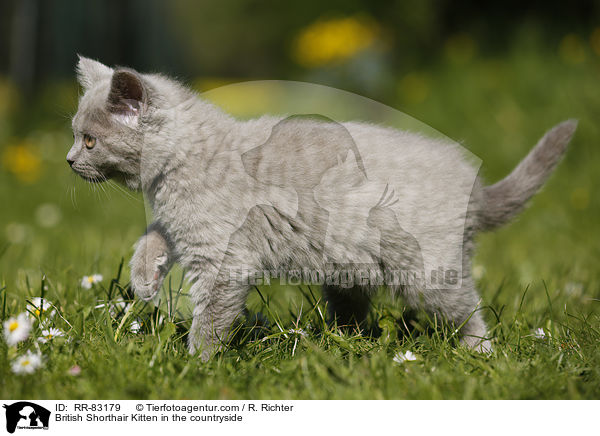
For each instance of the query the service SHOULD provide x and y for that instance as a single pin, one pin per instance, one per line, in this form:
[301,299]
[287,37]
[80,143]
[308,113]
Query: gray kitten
[236,202]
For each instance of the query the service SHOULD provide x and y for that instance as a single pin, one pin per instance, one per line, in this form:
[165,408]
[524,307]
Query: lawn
[540,272]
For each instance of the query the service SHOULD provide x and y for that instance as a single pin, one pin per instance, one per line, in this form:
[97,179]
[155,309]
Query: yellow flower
[23,161]
[334,40]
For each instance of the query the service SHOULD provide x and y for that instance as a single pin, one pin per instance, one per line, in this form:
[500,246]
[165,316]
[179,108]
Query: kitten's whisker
[102,189]
[117,187]
[102,179]
[74,195]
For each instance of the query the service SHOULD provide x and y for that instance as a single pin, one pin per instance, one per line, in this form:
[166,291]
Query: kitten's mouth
[89,174]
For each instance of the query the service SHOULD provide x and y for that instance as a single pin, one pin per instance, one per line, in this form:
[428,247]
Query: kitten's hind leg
[149,264]
[348,306]
[466,312]
[474,332]
[458,306]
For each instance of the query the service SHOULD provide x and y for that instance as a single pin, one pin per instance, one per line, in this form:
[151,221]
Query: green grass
[540,271]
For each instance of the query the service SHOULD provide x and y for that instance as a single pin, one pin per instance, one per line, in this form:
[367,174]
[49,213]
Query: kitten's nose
[71,162]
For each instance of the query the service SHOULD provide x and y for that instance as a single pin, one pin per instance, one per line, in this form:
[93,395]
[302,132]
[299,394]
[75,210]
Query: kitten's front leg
[149,264]
[219,307]
[215,320]
[220,289]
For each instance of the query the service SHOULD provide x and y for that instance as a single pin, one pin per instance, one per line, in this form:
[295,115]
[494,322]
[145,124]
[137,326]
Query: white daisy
[17,329]
[88,281]
[540,333]
[298,331]
[136,326]
[49,334]
[27,363]
[404,357]
[41,306]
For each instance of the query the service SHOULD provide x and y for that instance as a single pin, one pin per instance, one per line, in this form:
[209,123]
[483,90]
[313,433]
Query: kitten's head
[108,128]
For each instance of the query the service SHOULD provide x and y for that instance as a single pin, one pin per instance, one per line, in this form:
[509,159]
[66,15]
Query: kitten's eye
[89,141]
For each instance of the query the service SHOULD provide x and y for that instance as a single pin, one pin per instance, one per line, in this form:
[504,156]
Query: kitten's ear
[127,95]
[89,72]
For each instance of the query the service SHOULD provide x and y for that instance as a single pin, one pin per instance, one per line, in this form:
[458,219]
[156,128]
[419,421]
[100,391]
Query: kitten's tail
[505,199]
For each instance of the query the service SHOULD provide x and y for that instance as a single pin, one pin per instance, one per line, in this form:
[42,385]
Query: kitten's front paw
[149,266]
[146,280]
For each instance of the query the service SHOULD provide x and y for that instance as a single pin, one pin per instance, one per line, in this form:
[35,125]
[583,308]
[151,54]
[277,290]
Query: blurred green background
[493,78]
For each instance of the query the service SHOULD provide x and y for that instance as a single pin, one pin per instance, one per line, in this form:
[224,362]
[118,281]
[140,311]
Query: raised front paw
[149,265]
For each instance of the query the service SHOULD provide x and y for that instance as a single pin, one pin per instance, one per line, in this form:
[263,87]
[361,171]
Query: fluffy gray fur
[222,199]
